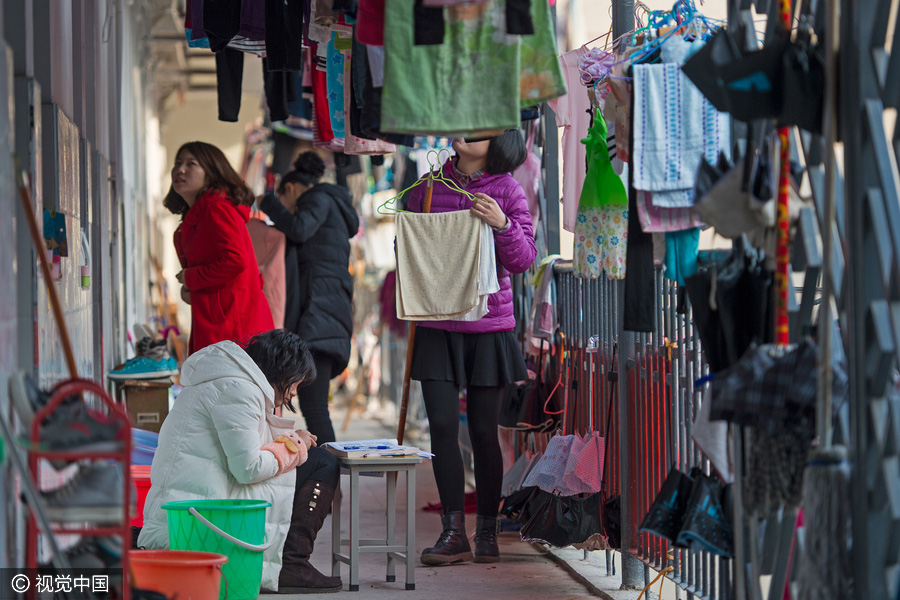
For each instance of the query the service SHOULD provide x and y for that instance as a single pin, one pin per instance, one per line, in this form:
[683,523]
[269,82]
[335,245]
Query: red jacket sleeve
[222,228]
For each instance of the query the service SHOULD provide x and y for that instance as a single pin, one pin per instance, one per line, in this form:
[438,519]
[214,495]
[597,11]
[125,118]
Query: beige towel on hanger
[438,258]
[487,276]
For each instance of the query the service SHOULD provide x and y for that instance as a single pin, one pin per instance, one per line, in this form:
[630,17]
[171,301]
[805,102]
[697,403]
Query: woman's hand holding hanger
[486,208]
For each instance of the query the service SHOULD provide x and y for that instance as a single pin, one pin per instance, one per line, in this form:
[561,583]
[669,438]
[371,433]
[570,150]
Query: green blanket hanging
[467,84]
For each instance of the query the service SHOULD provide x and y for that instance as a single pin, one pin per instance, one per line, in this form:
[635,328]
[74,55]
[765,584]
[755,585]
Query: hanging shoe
[153,361]
[452,545]
[311,503]
[486,550]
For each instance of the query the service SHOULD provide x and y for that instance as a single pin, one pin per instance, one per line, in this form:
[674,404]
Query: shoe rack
[67,389]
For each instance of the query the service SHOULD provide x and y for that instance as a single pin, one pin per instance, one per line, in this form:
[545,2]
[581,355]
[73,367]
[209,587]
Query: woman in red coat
[220,278]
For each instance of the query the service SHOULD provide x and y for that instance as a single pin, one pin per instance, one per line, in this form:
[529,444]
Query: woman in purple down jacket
[482,356]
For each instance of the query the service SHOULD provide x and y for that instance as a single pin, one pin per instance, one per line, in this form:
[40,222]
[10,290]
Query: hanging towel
[541,77]
[656,219]
[460,86]
[674,127]
[487,275]
[438,259]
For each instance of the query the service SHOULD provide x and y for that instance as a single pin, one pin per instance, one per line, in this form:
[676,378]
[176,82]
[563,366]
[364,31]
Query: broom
[825,569]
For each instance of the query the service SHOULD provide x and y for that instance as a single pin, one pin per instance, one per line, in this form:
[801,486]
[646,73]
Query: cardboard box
[147,403]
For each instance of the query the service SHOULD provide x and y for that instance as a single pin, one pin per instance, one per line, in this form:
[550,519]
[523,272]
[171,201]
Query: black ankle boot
[298,576]
[453,545]
[486,550]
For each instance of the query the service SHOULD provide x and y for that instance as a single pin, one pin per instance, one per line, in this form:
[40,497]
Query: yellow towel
[437,265]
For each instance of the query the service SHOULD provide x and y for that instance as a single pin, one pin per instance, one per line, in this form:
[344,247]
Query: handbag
[707,525]
[731,303]
[667,512]
[563,520]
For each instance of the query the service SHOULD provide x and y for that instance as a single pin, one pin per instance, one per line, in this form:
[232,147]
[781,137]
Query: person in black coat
[318,220]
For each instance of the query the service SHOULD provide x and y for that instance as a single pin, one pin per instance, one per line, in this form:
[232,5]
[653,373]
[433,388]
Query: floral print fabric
[601,239]
[542,77]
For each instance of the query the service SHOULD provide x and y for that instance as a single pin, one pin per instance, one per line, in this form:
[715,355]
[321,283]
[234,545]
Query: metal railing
[662,404]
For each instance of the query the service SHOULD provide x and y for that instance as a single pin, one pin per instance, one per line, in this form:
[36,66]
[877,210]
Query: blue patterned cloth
[674,127]
[334,70]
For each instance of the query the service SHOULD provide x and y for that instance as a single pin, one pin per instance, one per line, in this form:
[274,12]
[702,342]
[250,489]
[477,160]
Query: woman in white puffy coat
[223,440]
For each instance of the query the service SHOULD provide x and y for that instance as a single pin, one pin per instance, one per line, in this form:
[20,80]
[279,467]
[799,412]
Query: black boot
[486,550]
[453,545]
[311,503]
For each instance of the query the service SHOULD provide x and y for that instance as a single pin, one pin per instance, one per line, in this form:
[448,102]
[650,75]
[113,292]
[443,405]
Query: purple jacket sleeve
[515,246]
[416,198]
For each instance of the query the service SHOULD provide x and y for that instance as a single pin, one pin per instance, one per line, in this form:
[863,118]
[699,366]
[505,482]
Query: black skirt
[483,359]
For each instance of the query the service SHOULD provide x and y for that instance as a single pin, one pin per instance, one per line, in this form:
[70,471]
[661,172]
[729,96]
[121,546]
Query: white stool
[405,553]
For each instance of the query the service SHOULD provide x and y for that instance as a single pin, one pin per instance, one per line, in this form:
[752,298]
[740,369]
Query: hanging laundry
[352,143]
[365,114]
[428,286]
[268,245]
[229,77]
[487,275]
[370,22]
[519,19]
[682,249]
[453,2]
[573,114]
[428,25]
[660,219]
[542,77]
[438,90]
[601,230]
[335,87]
[675,126]
[284,48]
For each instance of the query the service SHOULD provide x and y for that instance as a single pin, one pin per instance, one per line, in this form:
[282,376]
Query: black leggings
[321,465]
[483,406]
[313,401]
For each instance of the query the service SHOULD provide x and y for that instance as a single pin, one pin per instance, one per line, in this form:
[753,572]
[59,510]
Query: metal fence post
[632,569]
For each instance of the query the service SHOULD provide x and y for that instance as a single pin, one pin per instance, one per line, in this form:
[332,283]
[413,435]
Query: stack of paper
[370,449]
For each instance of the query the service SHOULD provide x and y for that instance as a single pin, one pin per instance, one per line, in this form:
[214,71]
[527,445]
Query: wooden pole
[41,250]
[410,344]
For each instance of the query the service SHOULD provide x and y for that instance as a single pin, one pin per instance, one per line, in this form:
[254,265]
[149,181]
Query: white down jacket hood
[209,448]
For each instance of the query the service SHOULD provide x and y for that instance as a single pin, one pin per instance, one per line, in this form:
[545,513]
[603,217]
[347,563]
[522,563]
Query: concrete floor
[523,571]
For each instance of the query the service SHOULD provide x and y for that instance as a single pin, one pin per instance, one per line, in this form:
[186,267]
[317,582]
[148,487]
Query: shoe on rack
[94,494]
[78,428]
[103,552]
[28,398]
[153,361]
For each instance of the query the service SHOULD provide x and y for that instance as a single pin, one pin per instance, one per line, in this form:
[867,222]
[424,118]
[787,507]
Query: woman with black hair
[318,220]
[222,440]
[220,278]
[481,356]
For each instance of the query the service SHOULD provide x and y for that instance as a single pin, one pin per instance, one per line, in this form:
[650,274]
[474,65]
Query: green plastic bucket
[235,528]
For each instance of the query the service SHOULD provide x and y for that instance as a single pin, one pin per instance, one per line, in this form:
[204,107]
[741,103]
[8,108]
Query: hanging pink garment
[573,113]
[268,244]
[370,22]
